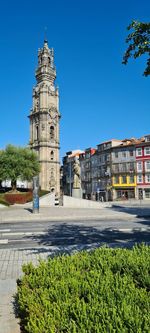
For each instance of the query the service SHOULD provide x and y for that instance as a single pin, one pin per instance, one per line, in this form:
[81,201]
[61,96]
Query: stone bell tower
[44,120]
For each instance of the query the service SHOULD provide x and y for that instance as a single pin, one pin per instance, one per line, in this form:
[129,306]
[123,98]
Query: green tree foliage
[102,291]
[18,162]
[139,43]
[0,175]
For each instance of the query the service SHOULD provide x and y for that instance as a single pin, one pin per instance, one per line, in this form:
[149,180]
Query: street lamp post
[70,175]
[36,194]
[107,175]
[98,190]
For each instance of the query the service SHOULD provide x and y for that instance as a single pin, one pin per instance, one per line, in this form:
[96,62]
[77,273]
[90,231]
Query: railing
[123,169]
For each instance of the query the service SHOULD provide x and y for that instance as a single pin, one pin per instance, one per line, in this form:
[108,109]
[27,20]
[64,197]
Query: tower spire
[45,35]
[46,69]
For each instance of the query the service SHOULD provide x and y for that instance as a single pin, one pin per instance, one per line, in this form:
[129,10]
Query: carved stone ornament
[53,113]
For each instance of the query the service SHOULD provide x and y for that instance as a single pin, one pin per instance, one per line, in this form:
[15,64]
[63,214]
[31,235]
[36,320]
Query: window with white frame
[139,166]
[138,151]
[147,178]
[147,151]
[139,179]
[147,165]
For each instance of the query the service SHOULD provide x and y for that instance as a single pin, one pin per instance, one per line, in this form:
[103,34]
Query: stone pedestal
[77,193]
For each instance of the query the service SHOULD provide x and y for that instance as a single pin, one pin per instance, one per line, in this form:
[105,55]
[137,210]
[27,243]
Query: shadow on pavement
[30,210]
[65,234]
[141,211]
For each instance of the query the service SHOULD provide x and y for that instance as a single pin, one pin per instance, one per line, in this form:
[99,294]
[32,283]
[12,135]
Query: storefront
[124,193]
[143,192]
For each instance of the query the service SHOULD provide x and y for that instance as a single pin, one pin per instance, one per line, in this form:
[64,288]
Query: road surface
[55,233]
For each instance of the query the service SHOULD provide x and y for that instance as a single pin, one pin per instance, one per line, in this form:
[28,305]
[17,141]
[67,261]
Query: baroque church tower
[44,120]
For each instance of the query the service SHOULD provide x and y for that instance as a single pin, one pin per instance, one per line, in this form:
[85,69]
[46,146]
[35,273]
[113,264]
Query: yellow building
[123,170]
[124,186]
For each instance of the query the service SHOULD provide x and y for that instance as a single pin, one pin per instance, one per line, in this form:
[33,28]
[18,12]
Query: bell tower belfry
[44,120]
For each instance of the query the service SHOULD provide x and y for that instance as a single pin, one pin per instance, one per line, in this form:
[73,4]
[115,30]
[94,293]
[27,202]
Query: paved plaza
[12,259]
[11,262]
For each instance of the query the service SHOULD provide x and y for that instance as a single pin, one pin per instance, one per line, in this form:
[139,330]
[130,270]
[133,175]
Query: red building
[143,168]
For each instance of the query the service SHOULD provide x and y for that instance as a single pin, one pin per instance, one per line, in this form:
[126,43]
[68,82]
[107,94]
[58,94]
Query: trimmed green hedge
[102,291]
[43,192]
[3,202]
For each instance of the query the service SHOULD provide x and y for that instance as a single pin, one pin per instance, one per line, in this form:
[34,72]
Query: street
[25,237]
[65,233]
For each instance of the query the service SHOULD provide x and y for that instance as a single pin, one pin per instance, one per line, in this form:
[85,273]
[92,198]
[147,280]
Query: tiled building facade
[116,170]
[143,168]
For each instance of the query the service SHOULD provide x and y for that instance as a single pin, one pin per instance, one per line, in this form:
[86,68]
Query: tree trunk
[14,184]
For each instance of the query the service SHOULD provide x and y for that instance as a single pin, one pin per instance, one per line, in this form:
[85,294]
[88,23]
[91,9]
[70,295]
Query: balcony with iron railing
[123,169]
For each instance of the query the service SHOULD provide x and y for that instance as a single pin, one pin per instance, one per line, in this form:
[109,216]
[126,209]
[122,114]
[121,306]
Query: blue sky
[100,98]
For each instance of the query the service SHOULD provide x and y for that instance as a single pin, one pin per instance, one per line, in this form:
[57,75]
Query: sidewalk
[19,213]
[11,261]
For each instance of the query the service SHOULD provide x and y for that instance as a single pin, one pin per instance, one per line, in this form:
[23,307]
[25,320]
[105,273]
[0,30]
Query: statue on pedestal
[76,174]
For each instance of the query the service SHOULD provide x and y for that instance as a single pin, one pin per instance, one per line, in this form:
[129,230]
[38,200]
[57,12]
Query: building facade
[86,172]
[115,170]
[102,170]
[44,120]
[143,168]
[123,170]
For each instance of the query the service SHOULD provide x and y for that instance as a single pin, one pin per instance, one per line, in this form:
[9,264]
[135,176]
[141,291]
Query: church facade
[44,121]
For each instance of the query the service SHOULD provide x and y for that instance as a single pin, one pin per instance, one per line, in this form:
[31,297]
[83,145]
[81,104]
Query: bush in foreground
[3,201]
[105,290]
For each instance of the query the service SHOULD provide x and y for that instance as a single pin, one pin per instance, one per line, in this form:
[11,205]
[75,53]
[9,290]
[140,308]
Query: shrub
[3,202]
[104,291]
[43,192]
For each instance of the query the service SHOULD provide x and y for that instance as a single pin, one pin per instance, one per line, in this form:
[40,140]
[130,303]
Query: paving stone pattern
[11,262]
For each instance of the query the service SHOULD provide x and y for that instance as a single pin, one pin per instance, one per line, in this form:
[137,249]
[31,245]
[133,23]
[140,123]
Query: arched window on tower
[52,132]
[52,155]
[37,132]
